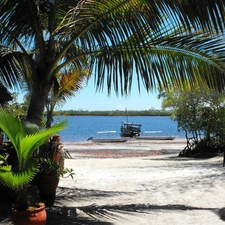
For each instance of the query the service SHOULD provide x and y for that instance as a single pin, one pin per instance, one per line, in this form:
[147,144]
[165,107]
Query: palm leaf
[25,145]
[2,158]
[72,82]
[14,180]
[11,126]
[31,142]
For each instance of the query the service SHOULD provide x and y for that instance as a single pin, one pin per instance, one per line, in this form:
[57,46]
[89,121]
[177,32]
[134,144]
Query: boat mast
[126,115]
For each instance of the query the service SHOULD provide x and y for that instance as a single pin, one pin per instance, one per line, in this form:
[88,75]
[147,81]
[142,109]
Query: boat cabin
[130,129]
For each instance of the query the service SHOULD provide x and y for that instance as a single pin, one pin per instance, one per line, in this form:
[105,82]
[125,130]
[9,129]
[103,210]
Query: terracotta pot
[47,186]
[55,138]
[35,217]
[56,157]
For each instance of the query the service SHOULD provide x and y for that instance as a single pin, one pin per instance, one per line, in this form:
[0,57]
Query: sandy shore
[131,148]
[138,183]
[154,189]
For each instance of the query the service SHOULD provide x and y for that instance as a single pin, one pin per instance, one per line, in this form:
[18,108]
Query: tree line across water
[114,113]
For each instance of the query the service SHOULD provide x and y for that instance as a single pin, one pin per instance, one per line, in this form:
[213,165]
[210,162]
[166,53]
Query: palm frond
[13,67]
[25,143]
[72,82]
[67,84]
[116,36]
[31,142]
[13,179]
[11,126]
[3,159]
[184,59]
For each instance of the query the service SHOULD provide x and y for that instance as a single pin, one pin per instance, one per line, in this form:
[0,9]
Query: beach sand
[139,183]
[126,187]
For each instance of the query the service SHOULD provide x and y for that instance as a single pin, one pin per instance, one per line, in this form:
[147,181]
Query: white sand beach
[142,183]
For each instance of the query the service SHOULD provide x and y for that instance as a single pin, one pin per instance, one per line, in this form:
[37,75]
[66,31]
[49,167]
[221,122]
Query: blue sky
[88,99]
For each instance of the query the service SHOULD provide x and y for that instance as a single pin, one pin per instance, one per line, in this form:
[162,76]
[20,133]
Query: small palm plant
[25,144]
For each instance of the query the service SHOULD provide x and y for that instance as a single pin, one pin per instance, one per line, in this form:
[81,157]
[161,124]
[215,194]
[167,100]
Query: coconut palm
[69,84]
[156,40]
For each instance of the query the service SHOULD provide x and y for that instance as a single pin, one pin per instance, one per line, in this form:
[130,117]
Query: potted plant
[49,174]
[55,150]
[18,177]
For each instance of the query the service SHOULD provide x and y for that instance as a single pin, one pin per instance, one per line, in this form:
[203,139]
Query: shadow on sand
[62,214]
[100,214]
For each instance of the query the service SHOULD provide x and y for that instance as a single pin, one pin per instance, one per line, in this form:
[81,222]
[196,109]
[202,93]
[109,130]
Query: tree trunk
[38,101]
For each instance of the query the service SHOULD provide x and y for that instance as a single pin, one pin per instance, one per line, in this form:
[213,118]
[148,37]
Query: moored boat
[155,137]
[107,140]
[130,129]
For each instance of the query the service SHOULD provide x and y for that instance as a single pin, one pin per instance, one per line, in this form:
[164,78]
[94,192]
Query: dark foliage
[203,148]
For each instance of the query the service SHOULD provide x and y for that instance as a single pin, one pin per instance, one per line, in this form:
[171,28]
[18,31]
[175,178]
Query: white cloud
[121,107]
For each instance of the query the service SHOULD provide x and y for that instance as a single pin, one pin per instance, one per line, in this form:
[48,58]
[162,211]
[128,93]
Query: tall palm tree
[156,40]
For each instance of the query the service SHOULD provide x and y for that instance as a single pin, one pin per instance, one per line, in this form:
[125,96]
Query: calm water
[82,127]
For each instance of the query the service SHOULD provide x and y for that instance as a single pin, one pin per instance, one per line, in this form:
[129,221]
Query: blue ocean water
[82,127]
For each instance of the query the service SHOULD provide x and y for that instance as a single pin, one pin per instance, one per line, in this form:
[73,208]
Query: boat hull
[107,140]
[155,137]
[104,140]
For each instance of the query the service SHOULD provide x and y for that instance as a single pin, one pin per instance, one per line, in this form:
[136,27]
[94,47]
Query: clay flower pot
[56,157]
[55,138]
[36,216]
[47,186]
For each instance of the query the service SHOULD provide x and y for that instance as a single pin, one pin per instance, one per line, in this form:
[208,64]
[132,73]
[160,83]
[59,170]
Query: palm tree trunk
[38,101]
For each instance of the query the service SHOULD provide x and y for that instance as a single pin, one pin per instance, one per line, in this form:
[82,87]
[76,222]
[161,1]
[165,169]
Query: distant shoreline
[150,112]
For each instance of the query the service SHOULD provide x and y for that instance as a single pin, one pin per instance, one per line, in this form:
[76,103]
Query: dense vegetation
[201,115]
[115,113]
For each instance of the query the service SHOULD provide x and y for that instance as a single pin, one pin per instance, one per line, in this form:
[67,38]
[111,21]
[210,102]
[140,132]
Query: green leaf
[2,158]
[14,180]
[25,144]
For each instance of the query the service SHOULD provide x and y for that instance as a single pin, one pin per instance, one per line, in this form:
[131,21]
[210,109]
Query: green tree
[157,40]
[201,114]
[16,108]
